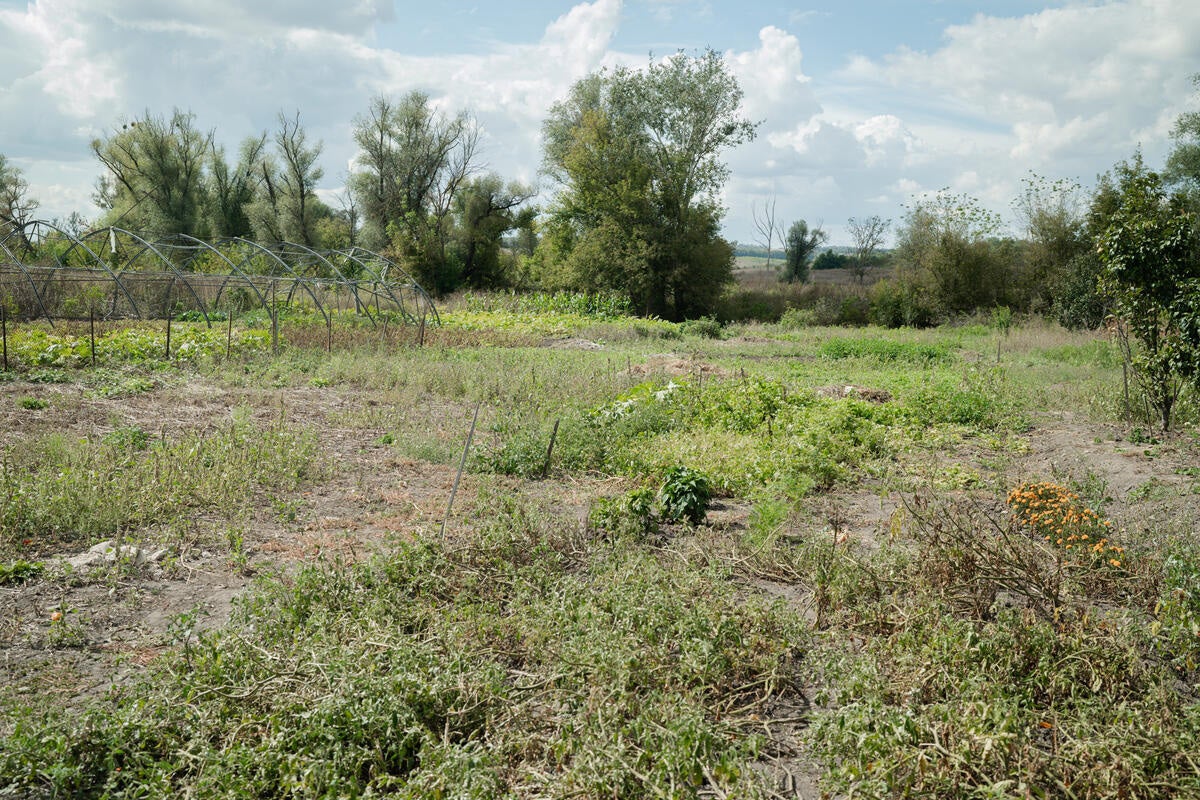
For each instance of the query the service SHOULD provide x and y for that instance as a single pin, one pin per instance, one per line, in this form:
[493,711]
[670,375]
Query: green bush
[901,304]
[704,327]
[684,495]
[1078,302]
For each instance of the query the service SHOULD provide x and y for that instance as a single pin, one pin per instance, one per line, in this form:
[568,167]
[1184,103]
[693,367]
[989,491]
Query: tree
[768,229]
[637,156]
[1153,276]
[412,161]
[1183,162]
[16,206]
[802,243]
[948,246]
[297,180]
[1058,256]
[231,190]
[486,209]
[831,260]
[285,206]
[867,234]
[155,174]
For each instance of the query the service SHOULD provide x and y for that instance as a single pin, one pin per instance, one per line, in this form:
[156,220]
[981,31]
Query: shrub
[902,304]
[684,495]
[704,327]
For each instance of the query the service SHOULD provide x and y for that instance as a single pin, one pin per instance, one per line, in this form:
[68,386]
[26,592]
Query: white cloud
[1066,92]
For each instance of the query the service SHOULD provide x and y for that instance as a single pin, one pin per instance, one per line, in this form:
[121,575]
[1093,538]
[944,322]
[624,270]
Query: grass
[594,623]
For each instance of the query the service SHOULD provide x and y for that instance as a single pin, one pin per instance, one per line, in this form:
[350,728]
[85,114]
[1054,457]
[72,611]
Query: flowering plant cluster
[1060,517]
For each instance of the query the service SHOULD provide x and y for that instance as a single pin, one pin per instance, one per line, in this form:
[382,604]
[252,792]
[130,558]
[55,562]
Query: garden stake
[461,466]
[169,315]
[328,333]
[4,326]
[229,333]
[550,449]
[92,332]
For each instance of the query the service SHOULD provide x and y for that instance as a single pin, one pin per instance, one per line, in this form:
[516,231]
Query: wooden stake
[169,315]
[92,332]
[4,326]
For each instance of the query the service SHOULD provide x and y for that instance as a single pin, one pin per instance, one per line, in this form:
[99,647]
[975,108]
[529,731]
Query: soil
[118,618]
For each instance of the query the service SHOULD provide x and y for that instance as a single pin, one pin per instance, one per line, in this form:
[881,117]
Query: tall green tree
[285,207]
[868,235]
[637,156]
[800,243]
[298,176]
[1183,162]
[231,188]
[1153,276]
[1058,260]
[949,245]
[412,161]
[485,210]
[155,175]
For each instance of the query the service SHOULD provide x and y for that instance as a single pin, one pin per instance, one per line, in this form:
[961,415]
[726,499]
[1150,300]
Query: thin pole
[550,449]
[462,464]
[4,326]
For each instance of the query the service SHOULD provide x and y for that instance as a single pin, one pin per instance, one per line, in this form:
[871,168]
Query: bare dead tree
[768,229]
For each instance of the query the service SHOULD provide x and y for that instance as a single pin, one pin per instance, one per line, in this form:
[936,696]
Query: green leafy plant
[684,495]
[19,571]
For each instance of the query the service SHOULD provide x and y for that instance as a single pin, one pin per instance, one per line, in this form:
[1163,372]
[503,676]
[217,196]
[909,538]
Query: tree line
[635,158]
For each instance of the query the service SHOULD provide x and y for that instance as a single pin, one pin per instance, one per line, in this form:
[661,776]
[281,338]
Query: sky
[863,105]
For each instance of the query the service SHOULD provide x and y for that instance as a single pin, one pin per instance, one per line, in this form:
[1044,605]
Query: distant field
[756,262]
[757,277]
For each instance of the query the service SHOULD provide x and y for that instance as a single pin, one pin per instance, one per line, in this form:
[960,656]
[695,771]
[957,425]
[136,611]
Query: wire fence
[50,273]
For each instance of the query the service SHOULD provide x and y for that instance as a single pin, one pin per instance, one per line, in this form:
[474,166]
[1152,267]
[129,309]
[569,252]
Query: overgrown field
[680,561]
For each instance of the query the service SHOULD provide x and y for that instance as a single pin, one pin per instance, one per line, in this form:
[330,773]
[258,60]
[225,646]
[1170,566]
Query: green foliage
[155,174]
[948,244]
[19,571]
[413,162]
[593,305]
[684,495]
[638,210]
[704,327]
[1079,303]
[498,665]
[59,490]
[39,347]
[631,514]
[831,260]
[16,207]
[800,243]
[33,403]
[903,304]
[885,350]
[1153,276]
[978,400]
